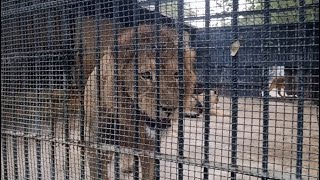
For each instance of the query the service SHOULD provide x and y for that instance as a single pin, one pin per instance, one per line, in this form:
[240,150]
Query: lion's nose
[168,110]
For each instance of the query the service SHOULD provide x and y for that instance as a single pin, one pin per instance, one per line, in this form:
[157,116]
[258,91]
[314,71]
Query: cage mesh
[194,89]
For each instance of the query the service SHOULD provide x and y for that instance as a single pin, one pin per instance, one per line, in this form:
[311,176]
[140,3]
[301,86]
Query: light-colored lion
[197,103]
[103,131]
[278,83]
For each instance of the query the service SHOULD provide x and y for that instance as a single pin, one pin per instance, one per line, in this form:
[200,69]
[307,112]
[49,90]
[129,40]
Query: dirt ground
[282,145]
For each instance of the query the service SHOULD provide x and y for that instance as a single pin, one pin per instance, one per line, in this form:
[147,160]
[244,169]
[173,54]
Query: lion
[197,102]
[278,83]
[106,38]
[145,112]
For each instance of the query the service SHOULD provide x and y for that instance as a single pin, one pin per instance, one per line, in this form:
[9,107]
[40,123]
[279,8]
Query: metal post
[207,91]
[301,61]
[38,105]
[265,147]
[180,27]
[158,140]
[115,26]
[26,120]
[65,105]
[234,97]
[81,89]
[52,121]
[98,82]
[136,89]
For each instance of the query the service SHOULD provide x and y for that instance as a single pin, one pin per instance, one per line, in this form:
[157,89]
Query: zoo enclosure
[38,52]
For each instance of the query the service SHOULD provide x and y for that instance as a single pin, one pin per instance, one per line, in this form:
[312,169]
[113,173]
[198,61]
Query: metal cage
[159,89]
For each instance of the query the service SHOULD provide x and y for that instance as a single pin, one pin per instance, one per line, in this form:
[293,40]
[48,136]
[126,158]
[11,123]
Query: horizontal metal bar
[244,170]
[51,52]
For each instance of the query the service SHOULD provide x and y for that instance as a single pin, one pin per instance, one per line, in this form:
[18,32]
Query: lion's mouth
[159,123]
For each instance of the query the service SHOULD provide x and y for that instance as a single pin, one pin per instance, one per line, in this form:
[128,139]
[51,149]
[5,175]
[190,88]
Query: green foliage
[171,9]
[283,11]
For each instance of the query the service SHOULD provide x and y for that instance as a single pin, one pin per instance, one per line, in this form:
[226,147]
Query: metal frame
[233,168]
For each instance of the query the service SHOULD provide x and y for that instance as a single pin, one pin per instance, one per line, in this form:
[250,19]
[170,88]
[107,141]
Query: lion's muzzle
[159,123]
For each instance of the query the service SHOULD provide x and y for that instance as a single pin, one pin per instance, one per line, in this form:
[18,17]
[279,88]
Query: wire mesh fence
[177,89]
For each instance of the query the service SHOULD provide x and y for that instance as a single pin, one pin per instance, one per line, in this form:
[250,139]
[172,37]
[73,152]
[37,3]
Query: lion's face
[147,78]
[197,101]
[147,84]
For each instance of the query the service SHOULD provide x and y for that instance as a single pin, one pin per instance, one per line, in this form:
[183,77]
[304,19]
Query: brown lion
[103,131]
[106,38]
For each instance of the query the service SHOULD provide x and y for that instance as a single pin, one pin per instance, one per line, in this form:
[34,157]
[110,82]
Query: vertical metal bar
[180,27]
[115,27]
[53,168]
[26,158]
[38,85]
[4,155]
[4,120]
[38,154]
[52,123]
[265,145]
[26,120]
[98,78]
[15,157]
[234,97]
[207,91]
[136,89]
[301,87]
[65,59]
[81,92]
[158,140]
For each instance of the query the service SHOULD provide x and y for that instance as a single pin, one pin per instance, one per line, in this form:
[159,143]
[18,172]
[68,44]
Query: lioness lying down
[103,131]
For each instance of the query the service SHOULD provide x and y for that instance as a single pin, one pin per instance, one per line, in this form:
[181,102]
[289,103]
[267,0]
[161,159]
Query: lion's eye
[147,75]
[176,75]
